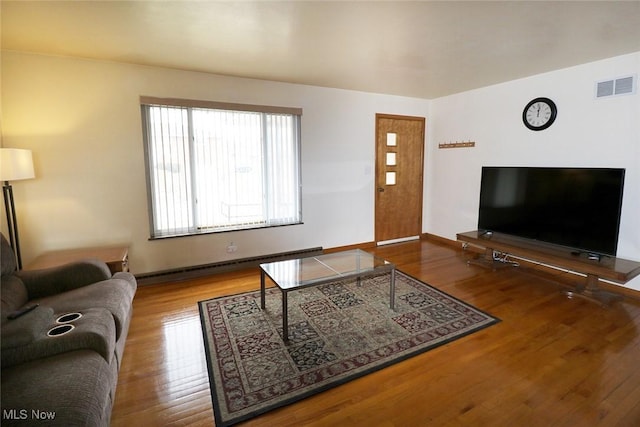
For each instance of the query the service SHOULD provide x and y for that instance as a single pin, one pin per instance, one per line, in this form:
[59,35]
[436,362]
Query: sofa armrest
[94,330]
[52,281]
[27,328]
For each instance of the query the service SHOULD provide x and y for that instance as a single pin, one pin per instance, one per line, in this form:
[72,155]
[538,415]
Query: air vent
[622,86]
[604,89]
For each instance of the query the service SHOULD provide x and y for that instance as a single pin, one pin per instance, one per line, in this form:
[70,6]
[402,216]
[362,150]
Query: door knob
[380,190]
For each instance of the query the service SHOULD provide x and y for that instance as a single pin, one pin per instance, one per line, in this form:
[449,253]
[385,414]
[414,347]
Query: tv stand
[592,291]
[492,260]
[617,270]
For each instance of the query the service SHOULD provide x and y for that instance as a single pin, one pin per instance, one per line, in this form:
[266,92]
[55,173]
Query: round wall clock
[539,113]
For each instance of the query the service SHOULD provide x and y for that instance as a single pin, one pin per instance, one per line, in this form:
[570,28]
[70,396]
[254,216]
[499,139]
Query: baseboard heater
[185,273]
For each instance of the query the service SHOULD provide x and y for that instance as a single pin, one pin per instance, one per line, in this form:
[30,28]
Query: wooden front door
[399,171]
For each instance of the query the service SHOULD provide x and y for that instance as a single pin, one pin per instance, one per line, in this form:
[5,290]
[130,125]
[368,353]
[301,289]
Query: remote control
[22,311]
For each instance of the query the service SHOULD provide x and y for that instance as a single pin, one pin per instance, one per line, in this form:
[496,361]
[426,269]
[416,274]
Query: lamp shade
[15,164]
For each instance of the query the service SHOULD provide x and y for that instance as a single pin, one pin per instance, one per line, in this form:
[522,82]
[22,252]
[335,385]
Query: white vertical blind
[170,176]
[216,169]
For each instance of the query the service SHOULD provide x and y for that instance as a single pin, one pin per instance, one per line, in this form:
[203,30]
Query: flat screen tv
[574,207]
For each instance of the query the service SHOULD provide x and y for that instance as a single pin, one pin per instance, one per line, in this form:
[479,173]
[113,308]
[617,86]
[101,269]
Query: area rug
[338,332]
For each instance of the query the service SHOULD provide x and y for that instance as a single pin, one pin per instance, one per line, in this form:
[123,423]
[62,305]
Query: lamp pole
[15,164]
[12,223]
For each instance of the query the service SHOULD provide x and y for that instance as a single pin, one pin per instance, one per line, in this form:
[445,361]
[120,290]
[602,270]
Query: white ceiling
[423,48]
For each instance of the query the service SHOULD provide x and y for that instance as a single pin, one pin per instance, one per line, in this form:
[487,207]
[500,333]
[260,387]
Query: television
[578,208]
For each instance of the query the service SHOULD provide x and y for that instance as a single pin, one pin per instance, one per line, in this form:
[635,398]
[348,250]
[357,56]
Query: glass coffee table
[294,274]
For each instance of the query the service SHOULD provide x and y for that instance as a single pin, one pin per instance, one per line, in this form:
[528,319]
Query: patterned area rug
[338,332]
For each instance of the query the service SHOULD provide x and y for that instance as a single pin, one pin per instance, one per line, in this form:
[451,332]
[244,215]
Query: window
[218,167]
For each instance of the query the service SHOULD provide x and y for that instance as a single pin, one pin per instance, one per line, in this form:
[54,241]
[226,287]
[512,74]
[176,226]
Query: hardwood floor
[552,361]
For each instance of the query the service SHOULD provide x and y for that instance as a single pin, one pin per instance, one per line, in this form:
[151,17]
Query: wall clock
[539,113]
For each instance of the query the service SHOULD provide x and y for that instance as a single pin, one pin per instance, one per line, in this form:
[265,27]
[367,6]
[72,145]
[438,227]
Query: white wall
[588,132]
[82,120]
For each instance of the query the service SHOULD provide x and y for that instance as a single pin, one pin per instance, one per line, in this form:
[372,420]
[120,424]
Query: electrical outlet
[231,248]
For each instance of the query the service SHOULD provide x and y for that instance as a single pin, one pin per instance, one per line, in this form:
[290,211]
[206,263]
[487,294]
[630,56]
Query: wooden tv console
[617,270]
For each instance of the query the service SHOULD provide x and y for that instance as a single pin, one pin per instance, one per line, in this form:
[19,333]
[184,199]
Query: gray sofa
[58,369]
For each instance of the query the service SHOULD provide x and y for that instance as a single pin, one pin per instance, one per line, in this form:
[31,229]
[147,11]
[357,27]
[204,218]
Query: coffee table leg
[262,290]
[285,317]
[392,290]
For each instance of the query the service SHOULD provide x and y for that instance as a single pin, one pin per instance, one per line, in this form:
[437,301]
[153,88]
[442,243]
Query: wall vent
[616,87]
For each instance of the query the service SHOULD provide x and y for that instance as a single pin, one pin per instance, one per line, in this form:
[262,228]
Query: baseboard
[363,246]
[179,274]
[441,240]
[191,272]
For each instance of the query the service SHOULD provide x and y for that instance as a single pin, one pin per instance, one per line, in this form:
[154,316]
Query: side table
[116,257]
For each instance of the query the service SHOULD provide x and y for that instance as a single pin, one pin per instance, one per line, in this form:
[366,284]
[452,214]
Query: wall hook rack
[457,144]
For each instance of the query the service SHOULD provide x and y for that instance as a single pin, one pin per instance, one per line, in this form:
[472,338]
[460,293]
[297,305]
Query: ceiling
[422,49]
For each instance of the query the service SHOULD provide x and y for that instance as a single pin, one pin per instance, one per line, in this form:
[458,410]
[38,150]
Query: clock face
[539,114]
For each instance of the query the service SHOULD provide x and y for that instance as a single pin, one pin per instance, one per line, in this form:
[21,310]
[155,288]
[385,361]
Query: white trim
[193,103]
[400,240]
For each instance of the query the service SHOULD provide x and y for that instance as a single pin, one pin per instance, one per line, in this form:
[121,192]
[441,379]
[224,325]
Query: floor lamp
[15,164]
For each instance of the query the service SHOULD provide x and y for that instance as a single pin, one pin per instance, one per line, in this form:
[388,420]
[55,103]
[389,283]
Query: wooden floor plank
[550,361]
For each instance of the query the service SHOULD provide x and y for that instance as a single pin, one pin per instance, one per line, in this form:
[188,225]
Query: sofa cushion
[13,294]
[72,389]
[114,295]
[93,330]
[26,329]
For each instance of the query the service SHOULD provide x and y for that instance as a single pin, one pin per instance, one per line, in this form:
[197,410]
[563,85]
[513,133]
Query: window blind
[218,169]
